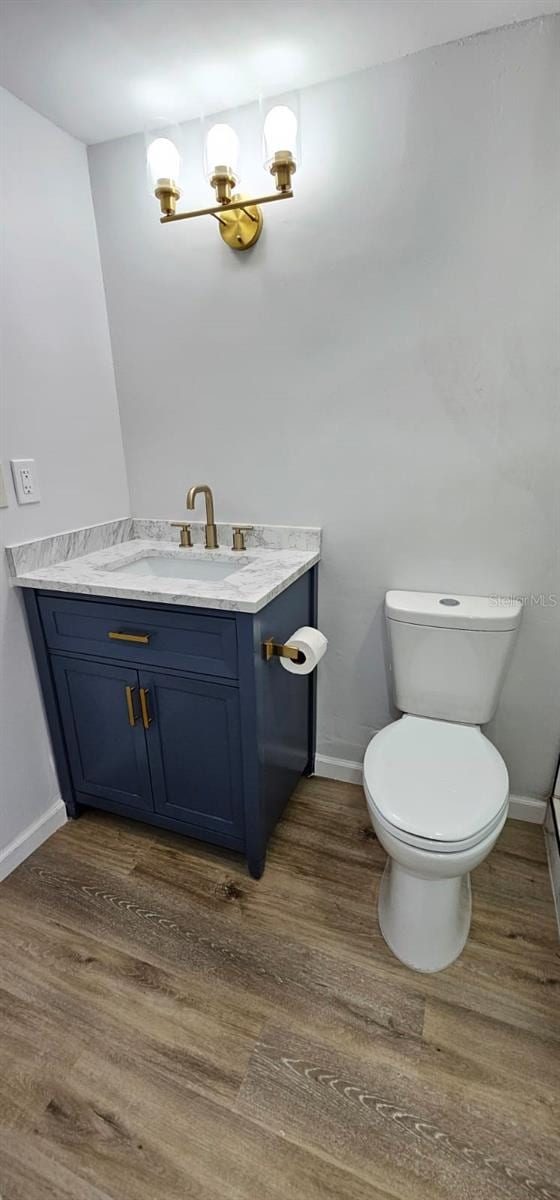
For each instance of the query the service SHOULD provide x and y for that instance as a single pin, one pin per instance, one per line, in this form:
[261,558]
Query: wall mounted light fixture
[240,217]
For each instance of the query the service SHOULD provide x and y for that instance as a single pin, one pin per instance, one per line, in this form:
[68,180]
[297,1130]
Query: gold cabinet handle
[146,718]
[129,693]
[142,638]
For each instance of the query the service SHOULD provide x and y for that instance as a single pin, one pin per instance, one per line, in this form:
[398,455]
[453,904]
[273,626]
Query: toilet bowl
[437,795]
[436,787]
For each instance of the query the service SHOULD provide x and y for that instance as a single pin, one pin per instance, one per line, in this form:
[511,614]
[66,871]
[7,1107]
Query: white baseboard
[31,838]
[527,808]
[521,808]
[338,768]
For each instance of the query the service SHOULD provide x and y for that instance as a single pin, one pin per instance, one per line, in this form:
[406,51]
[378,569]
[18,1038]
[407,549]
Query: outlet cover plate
[25,480]
[3,495]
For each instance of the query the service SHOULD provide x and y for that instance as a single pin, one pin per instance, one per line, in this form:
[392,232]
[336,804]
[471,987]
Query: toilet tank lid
[496,613]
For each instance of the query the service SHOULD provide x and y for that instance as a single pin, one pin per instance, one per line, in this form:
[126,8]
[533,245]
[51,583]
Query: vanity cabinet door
[103,729]
[193,740]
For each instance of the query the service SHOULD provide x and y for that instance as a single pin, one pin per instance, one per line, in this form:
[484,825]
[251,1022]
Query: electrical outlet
[3,496]
[2,490]
[25,480]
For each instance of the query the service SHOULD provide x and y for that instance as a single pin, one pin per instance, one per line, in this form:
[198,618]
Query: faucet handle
[239,532]
[185,539]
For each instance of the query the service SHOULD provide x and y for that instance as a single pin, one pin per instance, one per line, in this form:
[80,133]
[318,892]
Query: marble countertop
[259,573]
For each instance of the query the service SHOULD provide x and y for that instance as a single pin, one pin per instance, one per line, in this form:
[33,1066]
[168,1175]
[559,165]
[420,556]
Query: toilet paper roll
[312,644]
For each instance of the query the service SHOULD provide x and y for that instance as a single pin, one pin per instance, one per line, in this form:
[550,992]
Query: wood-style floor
[173,1030]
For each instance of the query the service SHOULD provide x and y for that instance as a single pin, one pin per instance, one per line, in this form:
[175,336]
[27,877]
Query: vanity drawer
[180,641]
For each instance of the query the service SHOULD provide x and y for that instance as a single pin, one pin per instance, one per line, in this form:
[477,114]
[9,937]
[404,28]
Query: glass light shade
[222,150]
[164,160]
[280,132]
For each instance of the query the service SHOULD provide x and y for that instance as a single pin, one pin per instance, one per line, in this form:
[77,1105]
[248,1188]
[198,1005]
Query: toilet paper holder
[272,649]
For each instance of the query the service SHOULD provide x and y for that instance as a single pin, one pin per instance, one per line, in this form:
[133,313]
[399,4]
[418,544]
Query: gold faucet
[211,532]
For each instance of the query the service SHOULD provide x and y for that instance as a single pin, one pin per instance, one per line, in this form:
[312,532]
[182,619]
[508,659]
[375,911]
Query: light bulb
[280,132]
[222,150]
[164,160]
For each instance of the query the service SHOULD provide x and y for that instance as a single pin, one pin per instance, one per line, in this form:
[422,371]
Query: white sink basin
[167,566]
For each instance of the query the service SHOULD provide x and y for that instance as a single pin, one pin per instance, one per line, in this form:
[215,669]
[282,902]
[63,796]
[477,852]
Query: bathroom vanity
[161,702]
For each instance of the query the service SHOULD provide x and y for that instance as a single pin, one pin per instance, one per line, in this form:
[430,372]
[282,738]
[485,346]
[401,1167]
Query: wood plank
[143,973]
[490,1056]
[130,915]
[77,989]
[517,868]
[112,842]
[34,1051]
[338,914]
[141,1136]
[400,1136]
[29,1171]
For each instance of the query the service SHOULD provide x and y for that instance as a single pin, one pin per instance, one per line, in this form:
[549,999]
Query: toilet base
[425,922]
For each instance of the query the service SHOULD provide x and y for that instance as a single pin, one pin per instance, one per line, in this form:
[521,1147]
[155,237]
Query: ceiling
[105,68]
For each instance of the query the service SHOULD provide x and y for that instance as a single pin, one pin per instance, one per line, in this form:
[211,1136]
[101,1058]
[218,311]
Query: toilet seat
[435,784]
[426,843]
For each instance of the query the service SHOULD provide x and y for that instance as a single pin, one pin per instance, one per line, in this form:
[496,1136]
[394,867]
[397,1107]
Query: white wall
[382,364]
[58,406]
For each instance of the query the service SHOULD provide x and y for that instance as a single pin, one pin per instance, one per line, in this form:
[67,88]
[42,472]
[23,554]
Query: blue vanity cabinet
[107,755]
[170,714]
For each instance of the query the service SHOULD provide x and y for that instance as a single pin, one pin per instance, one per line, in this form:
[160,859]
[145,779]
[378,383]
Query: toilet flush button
[451,603]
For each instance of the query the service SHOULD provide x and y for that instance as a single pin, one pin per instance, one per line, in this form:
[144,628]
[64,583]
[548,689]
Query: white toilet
[437,790]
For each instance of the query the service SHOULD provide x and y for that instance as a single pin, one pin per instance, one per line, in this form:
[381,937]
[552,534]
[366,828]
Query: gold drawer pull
[146,718]
[129,693]
[141,638]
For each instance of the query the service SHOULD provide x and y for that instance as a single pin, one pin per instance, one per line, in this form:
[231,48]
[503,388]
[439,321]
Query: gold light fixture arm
[236,204]
[240,218]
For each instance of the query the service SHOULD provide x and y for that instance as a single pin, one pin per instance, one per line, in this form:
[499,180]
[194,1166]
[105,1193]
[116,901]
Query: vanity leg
[73,809]
[256,866]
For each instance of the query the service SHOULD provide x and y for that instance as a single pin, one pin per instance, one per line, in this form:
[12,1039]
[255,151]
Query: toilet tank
[450,653]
